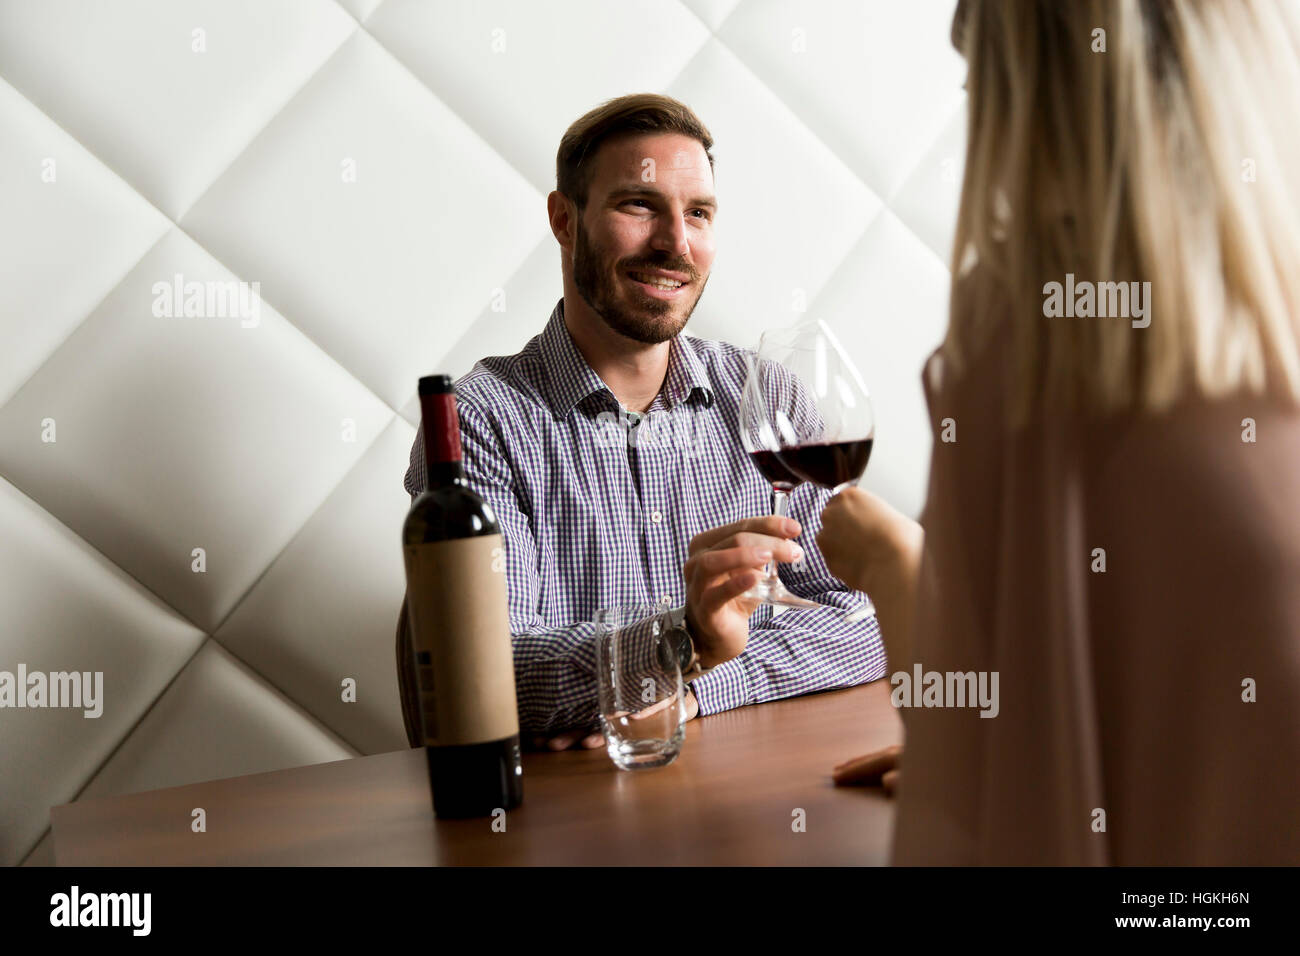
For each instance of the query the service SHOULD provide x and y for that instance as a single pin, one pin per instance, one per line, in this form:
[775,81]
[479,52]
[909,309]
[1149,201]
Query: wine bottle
[460,626]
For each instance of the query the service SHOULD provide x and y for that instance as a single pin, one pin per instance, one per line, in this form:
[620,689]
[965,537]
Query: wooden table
[729,799]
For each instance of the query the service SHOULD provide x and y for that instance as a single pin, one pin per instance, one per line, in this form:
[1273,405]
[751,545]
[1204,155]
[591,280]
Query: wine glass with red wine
[805,415]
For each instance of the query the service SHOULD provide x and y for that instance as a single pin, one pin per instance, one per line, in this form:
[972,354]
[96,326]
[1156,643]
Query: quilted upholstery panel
[379,168]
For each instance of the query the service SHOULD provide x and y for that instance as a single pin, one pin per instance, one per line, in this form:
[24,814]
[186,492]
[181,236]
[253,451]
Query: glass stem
[780,508]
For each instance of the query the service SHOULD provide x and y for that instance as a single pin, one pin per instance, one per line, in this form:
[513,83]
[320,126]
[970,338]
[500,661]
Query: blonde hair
[1171,157]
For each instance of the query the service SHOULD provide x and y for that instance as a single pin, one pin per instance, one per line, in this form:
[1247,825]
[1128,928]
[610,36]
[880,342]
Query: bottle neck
[442,473]
[442,457]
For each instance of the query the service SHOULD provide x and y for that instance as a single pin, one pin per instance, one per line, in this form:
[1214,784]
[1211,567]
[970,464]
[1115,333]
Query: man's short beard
[597,291]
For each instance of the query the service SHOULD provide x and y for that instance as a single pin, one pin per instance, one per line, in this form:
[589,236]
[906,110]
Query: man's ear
[561,211]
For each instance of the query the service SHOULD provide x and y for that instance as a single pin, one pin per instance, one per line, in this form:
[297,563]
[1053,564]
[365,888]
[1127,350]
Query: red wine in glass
[805,415]
[834,465]
[774,470]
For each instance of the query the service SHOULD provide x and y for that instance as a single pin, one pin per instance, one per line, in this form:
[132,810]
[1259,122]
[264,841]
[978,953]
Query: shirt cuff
[722,688]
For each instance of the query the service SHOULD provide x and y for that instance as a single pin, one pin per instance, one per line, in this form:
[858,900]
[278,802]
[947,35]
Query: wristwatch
[679,646]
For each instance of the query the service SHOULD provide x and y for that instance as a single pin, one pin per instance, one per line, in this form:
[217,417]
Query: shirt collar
[686,373]
[570,380]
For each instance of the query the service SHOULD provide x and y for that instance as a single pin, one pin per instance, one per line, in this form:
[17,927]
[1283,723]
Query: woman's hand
[873,547]
[883,767]
[863,537]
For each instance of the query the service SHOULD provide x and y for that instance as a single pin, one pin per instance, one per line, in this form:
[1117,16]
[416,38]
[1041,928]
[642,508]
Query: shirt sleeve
[799,650]
[555,667]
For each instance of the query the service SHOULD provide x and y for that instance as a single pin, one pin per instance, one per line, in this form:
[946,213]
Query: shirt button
[666,599]
[656,517]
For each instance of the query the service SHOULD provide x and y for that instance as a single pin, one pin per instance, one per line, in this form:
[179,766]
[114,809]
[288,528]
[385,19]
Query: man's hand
[580,739]
[569,739]
[724,563]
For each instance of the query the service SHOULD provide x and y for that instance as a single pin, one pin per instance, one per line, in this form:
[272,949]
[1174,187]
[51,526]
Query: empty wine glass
[639,683]
[805,415]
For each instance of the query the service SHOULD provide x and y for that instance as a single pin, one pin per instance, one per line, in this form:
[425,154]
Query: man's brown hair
[635,113]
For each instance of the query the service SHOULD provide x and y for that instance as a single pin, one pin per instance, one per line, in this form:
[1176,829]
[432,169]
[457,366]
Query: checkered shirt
[596,512]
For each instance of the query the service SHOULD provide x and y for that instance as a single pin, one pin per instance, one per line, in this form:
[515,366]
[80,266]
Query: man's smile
[658,283]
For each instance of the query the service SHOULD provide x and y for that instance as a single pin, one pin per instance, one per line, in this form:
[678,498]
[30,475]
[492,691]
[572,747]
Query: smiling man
[598,505]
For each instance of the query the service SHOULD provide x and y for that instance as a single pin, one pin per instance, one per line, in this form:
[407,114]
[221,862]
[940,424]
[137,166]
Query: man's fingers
[728,589]
[869,768]
[768,524]
[655,707]
[783,548]
[692,705]
[715,563]
[567,739]
[706,571]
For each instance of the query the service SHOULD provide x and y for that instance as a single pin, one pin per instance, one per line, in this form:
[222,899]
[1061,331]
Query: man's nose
[670,236]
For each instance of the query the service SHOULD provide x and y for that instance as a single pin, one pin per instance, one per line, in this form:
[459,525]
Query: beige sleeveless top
[1122,735]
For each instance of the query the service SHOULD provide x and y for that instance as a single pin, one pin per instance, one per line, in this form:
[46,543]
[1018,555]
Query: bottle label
[460,636]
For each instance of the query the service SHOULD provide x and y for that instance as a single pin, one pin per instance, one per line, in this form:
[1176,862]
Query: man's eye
[641,201]
[704,213]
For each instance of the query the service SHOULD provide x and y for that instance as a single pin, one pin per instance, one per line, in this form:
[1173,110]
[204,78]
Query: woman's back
[1135,583]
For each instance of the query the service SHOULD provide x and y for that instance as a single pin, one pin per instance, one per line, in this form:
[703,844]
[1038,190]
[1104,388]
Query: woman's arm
[870,545]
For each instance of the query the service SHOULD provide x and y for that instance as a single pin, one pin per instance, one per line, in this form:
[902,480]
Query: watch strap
[692,669]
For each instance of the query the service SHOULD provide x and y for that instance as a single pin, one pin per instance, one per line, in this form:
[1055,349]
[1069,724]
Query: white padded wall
[214,139]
